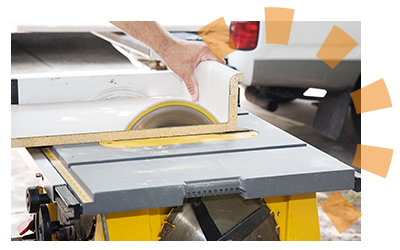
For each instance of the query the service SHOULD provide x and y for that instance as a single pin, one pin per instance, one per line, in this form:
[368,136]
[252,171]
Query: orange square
[278,24]
[277,32]
[372,97]
[340,211]
[217,37]
[375,160]
[336,46]
[278,14]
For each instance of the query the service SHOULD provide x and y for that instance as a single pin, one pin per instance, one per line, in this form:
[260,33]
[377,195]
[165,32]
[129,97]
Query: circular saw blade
[226,212]
[170,114]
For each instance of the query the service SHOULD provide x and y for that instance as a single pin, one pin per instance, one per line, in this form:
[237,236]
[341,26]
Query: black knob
[34,199]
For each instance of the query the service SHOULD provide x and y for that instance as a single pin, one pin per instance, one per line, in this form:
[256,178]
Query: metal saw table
[106,180]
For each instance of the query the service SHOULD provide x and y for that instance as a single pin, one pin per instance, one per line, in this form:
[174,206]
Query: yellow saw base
[296,217]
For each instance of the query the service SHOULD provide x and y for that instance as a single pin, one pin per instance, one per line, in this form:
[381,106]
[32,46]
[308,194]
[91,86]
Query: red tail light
[244,35]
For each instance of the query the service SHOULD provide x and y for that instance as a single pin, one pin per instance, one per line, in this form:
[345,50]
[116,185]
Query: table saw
[146,189]
[255,182]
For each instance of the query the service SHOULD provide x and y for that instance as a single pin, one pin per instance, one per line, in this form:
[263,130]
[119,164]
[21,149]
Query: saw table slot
[168,156]
[269,137]
[237,135]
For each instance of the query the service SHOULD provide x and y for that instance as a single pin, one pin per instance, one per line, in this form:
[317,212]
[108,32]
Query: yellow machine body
[296,217]
[139,225]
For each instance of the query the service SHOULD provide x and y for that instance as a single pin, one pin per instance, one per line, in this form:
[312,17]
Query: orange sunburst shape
[278,24]
[340,211]
[336,46]
[375,160]
[371,97]
[217,37]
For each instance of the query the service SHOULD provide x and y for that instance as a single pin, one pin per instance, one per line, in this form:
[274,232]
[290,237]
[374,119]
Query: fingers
[184,62]
[195,95]
[193,89]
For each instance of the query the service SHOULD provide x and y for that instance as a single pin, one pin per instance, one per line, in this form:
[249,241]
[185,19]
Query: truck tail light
[244,35]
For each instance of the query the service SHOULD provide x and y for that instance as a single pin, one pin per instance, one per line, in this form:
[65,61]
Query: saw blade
[170,114]
[226,212]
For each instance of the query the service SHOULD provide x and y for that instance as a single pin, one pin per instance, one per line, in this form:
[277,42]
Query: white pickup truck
[275,73]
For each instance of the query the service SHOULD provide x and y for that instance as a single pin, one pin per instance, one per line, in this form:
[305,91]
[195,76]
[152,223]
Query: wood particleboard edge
[231,125]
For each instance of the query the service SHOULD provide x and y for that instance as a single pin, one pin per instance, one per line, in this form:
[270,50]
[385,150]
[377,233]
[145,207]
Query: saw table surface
[272,164]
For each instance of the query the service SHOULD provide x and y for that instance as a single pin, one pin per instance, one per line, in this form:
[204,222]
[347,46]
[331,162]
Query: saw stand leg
[296,216]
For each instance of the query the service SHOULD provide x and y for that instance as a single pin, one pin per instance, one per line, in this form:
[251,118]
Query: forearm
[150,33]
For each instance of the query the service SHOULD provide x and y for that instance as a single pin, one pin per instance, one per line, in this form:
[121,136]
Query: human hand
[182,57]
